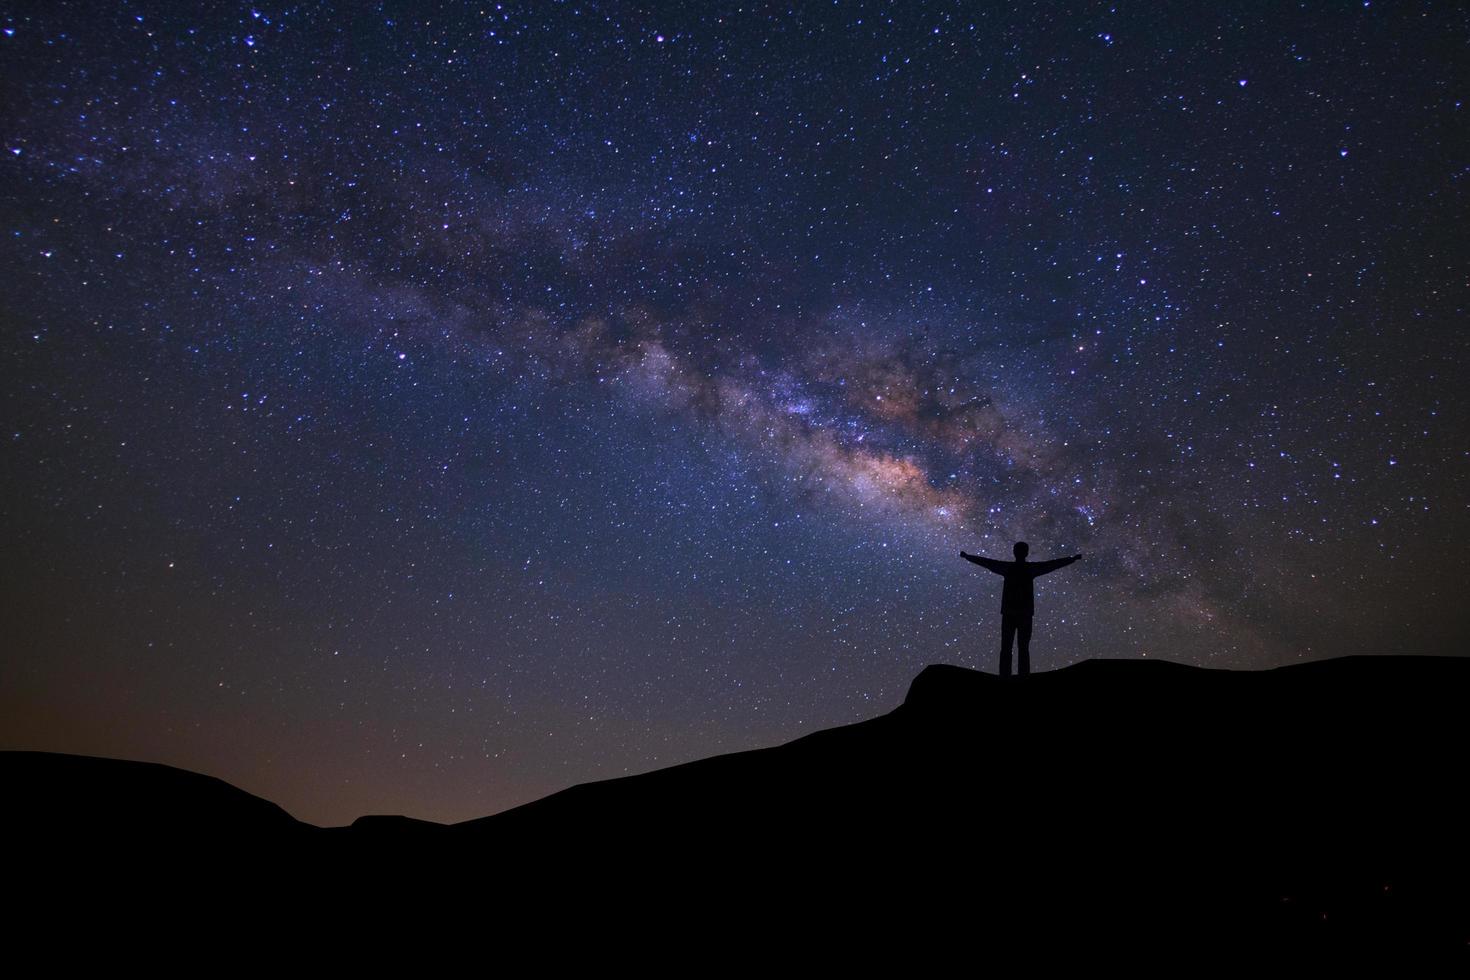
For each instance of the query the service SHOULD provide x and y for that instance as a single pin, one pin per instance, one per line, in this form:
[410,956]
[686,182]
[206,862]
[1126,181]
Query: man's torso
[1017,597]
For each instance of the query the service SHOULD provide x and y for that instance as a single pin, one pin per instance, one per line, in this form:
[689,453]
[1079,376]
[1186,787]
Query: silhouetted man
[1017,601]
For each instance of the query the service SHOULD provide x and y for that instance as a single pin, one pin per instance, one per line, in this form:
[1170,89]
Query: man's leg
[1023,645]
[1007,634]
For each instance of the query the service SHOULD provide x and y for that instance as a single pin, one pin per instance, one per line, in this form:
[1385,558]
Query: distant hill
[1317,808]
[116,801]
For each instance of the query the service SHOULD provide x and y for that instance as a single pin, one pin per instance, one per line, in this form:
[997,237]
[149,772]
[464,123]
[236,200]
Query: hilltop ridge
[1318,802]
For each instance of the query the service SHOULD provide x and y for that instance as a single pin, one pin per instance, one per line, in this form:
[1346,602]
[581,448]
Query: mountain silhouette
[117,802]
[1314,809]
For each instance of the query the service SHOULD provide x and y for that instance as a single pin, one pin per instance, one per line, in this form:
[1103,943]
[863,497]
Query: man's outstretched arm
[998,567]
[1042,567]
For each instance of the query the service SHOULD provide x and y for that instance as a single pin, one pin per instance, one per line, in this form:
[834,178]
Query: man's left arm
[998,567]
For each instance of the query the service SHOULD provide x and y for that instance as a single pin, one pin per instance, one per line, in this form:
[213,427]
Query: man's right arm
[1042,567]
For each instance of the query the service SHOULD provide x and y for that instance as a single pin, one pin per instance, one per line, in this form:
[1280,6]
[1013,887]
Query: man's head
[1021,550]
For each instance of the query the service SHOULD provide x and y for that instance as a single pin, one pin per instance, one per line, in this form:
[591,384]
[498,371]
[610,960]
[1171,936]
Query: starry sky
[420,409]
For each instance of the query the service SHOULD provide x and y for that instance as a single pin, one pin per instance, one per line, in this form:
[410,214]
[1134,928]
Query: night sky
[421,410]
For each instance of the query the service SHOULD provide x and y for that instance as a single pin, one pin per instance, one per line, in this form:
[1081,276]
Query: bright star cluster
[421,408]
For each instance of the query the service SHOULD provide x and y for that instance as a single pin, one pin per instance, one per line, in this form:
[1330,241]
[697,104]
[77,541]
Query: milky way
[421,409]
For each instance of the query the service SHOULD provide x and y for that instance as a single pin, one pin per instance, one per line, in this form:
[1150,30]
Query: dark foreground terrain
[1118,810]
